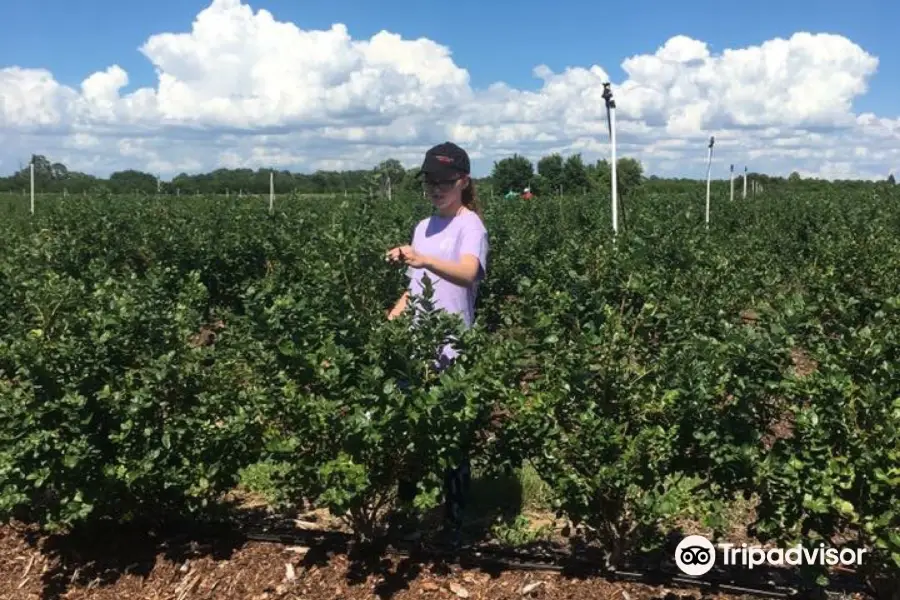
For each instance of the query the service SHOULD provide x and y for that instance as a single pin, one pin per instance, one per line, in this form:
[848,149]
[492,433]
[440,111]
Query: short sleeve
[474,241]
[410,271]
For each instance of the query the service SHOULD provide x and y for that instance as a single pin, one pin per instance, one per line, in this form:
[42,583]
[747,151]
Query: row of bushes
[149,351]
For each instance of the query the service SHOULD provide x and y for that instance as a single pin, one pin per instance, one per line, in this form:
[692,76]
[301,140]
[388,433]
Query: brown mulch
[34,567]
[207,335]
[804,365]
[782,428]
[749,317]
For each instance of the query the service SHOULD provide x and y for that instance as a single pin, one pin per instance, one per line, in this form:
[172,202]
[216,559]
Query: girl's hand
[407,255]
[393,254]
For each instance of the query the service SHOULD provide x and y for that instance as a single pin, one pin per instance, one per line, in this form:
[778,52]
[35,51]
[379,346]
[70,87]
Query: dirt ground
[121,566]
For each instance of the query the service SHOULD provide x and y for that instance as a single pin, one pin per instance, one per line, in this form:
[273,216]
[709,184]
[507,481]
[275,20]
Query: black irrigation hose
[525,561]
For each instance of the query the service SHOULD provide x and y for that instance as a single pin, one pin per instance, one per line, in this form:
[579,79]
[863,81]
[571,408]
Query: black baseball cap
[445,162]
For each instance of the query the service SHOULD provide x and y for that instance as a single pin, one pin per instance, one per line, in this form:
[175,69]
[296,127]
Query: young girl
[452,247]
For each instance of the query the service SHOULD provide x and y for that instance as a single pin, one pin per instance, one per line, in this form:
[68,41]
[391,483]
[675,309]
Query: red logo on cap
[444,159]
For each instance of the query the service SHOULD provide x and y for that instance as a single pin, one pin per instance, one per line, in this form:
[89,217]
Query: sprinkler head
[607,95]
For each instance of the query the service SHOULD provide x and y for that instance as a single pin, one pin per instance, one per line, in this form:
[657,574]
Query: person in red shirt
[527,195]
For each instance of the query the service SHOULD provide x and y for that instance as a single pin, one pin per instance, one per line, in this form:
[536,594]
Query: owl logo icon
[695,555]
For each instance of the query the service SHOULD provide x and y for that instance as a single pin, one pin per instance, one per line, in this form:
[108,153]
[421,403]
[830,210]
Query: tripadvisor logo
[696,555]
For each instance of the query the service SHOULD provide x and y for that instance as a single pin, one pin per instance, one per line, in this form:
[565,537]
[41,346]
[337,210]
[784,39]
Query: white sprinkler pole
[32,186]
[712,141]
[745,183]
[271,192]
[732,183]
[611,120]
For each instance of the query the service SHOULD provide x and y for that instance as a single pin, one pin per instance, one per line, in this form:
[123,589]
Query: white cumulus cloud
[242,89]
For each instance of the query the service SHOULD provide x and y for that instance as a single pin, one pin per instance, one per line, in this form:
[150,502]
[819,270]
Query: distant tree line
[55,178]
[551,175]
[557,175]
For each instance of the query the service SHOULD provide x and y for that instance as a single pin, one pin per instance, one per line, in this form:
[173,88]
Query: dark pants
[456,490]
[456,484]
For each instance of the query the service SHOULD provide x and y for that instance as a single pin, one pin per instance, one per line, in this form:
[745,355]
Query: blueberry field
[156,350]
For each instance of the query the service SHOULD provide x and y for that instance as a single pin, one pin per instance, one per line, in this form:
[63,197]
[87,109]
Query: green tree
[132,181]
[59,172]
[512,173]
[629,175]
[550,169]
[393,168]
[43,169]
[184,184]
[387,178]
[48,176]
[574,175]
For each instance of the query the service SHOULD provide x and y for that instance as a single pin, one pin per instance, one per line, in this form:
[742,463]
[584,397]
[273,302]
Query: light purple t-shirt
[448,238]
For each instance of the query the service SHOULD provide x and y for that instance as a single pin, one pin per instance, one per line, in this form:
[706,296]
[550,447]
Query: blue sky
[74,40]
[493,43]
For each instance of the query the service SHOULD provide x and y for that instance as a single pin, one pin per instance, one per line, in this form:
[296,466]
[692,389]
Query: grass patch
[520,532]
[506,507]
[261,479]
[708,517]
[536,494]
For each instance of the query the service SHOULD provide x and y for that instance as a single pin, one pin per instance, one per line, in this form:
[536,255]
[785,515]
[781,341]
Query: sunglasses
[442,185]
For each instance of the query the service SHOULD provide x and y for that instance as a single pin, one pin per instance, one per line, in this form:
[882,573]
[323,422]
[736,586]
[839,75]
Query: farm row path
[35,567]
